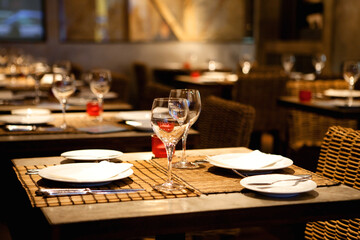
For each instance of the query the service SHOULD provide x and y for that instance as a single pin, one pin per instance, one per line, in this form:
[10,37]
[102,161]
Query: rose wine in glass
[169,122]
[351,73]
[100,82]
[194,104]
[62,87]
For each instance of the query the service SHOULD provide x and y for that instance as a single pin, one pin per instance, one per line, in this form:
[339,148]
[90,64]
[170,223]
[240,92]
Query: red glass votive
[158,147]
[195,74]
[93,108]
[305,95]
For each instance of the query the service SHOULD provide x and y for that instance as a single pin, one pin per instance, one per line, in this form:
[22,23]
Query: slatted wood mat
[146,175]
[207,179]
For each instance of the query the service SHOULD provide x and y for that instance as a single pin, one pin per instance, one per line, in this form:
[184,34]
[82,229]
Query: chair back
[121,85]
[339,160]
[141,76]
[225,123]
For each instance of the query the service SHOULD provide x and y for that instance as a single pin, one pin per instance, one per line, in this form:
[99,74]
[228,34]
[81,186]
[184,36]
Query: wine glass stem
[100,117]
[184,138]
[350,101]
[170,152]
[63,105]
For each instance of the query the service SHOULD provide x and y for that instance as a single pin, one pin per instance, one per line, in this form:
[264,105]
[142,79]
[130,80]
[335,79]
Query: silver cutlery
[55,192]
[298,179]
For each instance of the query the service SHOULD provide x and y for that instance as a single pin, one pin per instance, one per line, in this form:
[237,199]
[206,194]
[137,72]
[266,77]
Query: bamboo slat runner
[74,122]
[145,176]
[207,179]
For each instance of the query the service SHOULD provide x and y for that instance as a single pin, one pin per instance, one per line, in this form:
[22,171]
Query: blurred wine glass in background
[246,62]
[318,62]
[351,73]
[288,61]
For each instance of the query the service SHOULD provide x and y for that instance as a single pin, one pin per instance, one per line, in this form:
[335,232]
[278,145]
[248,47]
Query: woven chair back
[225,123]
[339,160]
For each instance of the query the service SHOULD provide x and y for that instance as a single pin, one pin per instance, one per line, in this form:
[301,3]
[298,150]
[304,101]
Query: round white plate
[92,154]
[21,119]
[142,125]
[134,115]
[31,111]
[283,163]
[341,93]
[62,173]
[279,189]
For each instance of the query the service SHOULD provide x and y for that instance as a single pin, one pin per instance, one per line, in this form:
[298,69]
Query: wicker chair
[147,89]
[225,123]
[120,85]
[305,130]
[261,90]
[339,160]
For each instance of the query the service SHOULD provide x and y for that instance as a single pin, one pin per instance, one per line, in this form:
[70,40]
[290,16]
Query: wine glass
[169,121]
[288,61]
[246,63]
[37,70]
[62,87]
[351,73]
[62,66]
[100,82]
[318,62]
[194,104]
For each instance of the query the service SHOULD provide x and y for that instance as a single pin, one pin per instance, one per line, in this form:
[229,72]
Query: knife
[55,192]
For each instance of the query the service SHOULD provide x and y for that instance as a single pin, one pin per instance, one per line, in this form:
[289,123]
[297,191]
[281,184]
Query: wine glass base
[185,165]
[169,187]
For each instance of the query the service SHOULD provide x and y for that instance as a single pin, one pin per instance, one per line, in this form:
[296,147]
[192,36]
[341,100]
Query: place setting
[140,120]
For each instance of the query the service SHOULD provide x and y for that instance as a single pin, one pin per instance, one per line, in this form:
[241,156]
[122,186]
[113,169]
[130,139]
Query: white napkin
[250,161]
[91,172]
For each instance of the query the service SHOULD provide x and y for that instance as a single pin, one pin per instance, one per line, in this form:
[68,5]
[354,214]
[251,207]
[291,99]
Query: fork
[299,179]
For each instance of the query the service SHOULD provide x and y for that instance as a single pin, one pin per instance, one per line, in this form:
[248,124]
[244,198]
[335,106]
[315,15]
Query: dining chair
[305,130]
[147,89]
[225,123]
[339,160]
[261,90]
[121,85]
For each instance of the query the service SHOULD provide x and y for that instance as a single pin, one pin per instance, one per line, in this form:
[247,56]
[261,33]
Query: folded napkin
[247,161]
[90,172]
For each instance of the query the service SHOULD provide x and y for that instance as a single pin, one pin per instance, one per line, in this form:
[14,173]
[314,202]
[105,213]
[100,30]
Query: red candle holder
[93,108]
[305,95]
[158,147]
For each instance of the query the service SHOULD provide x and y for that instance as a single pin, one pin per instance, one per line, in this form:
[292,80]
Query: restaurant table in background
[48,141]
[329,107]
[150,213]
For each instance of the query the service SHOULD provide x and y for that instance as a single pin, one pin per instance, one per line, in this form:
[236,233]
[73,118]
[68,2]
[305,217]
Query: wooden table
[45,144]
[178,215]
[326,107]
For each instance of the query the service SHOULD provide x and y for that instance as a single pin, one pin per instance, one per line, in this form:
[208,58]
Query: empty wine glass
[288,61]
[246,63]
[318,62]
[169,121]
[37,70]
[351,73]
[62,67]
[63,87]
[100,82]
[194,104]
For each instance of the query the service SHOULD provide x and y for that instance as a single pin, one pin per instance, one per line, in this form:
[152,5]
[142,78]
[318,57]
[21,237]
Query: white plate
[142,125]
[92,154]
[63,173]
[31,119]
[341,93]
[282,163]
[31,111]
[134,115]
[279,189]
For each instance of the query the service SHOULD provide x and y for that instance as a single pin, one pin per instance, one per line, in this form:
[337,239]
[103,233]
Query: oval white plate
[50,173]
[91,154]
[21,119]
[143,125]
[279,189]
[31,111]
[341,93]
[134,115]
[283,163]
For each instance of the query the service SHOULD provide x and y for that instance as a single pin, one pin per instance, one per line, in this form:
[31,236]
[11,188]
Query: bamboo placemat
[146,174]
[73,122]
[210,179]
